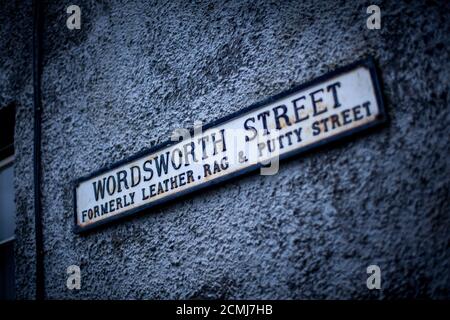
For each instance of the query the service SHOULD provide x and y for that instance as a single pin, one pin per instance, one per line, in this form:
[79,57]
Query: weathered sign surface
[338,104]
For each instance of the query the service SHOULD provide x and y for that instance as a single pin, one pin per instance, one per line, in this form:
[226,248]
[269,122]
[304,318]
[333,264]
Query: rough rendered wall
[16,88]
[137,70]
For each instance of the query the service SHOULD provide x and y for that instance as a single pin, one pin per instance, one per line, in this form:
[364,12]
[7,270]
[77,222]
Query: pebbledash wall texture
[137,70]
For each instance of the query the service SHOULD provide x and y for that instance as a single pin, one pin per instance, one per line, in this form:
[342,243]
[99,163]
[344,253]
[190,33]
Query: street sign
[333,106]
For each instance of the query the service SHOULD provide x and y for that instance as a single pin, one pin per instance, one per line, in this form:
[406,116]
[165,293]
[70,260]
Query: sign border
[367,62]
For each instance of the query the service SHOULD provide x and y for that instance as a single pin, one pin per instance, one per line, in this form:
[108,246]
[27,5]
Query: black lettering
[190,176]
[203,141]
[333,87]
[176,156]
[122,179]
[144,196]
[146,167]
[250,128]
[280,142]
[288,135]
[366,106]
[316,128]
[111,206]
[271,145]
[135,178]
[162,163]
[283,115]
[263,116]
[216,167]
[224,163]
[173,182]
[261,146]
[90,214]
[219,141]
[207,170]
[119,203]
[325,124]
[96,212]
[152,190]
[298,108]
[335,121]
[111,188]
[99,188]
[191,146]
[357,113]
[298,133]
[166,185]
[182,177]
[315,103]
[346,117]
[104,208]
[160,188]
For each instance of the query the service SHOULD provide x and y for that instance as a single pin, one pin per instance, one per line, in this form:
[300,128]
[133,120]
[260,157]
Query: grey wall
[137,70]
[16,88]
